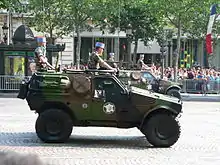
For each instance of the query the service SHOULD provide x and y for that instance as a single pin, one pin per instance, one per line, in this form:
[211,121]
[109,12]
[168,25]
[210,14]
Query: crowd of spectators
[182,74]
[194,79]
[197,73]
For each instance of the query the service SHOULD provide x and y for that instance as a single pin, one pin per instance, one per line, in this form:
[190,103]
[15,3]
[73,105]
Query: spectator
[190,74]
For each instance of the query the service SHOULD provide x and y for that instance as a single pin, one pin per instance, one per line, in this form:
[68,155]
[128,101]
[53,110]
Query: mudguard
[160,108]
[173,87]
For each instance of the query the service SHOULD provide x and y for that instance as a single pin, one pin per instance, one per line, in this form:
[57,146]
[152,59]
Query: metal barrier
[201,86]
[10,83]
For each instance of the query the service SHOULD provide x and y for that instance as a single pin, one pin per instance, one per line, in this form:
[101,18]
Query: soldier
[40,55]
[111,60]
[95,61]
[141,65]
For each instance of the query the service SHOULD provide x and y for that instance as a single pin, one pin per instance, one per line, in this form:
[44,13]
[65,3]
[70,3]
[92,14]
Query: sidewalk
[201,97]
[185,97]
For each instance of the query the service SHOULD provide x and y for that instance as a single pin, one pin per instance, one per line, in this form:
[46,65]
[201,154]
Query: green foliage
[146,17]
[191,15]
[197,26]
[187,16]
[13,5]
[3,4]
[139,14]
[75,15]
[45,16]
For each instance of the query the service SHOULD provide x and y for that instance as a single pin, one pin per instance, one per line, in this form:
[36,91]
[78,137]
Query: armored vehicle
[146,80]
[98,98]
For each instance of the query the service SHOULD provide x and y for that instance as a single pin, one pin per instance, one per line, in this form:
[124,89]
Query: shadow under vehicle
[98,98]
[146,80]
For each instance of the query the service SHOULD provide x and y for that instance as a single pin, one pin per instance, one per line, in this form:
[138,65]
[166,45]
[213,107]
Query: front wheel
[53,126]
[161,130]
[174,93]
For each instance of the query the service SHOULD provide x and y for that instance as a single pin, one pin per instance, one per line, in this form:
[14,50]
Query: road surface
[199,143]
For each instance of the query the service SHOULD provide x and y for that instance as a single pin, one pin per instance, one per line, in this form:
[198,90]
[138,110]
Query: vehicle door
[110,99]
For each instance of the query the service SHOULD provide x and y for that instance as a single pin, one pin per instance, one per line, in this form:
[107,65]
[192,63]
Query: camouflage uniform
[112,63]
[111,60]
[94,61]
[39,51]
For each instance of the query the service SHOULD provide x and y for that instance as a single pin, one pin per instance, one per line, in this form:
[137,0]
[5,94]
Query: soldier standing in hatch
[95,61]
[40,55]
[141,65]
[111,60]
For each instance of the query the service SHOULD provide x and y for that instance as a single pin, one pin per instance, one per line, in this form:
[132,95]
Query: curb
[200,97]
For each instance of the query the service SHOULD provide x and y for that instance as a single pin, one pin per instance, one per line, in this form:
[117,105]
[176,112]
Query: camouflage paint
[130,107]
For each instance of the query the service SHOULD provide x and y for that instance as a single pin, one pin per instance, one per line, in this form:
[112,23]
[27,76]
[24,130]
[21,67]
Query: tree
[46,17]
[11,5]
[75,16]
[3,4]
[182,15]
[139,14]
[197,27]
[64,17]
[143,21]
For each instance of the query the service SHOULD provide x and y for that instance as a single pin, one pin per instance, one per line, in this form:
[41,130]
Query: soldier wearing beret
[40,55]
[95,60]
[111,60]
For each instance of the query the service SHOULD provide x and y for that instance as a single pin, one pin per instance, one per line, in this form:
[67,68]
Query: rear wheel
[174,93]
[161,130]
[53,126]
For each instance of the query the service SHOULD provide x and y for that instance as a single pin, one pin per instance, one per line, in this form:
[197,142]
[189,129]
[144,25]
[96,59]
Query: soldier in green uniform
[141,65]
[95,61]
[111,60]
[40,55]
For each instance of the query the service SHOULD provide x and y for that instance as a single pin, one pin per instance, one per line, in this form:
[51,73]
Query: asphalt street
[199,143]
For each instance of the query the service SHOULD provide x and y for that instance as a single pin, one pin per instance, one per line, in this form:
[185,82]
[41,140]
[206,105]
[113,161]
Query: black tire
[174,93]
[161,130]
[54,126]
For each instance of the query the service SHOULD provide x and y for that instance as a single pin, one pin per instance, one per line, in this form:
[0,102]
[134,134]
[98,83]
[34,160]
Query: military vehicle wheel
[53,126]
[174,93]
[161,130]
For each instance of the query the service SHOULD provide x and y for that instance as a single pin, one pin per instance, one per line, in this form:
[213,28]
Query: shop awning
[153,48]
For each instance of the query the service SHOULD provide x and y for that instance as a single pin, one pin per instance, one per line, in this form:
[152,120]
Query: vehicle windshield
[148,76]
